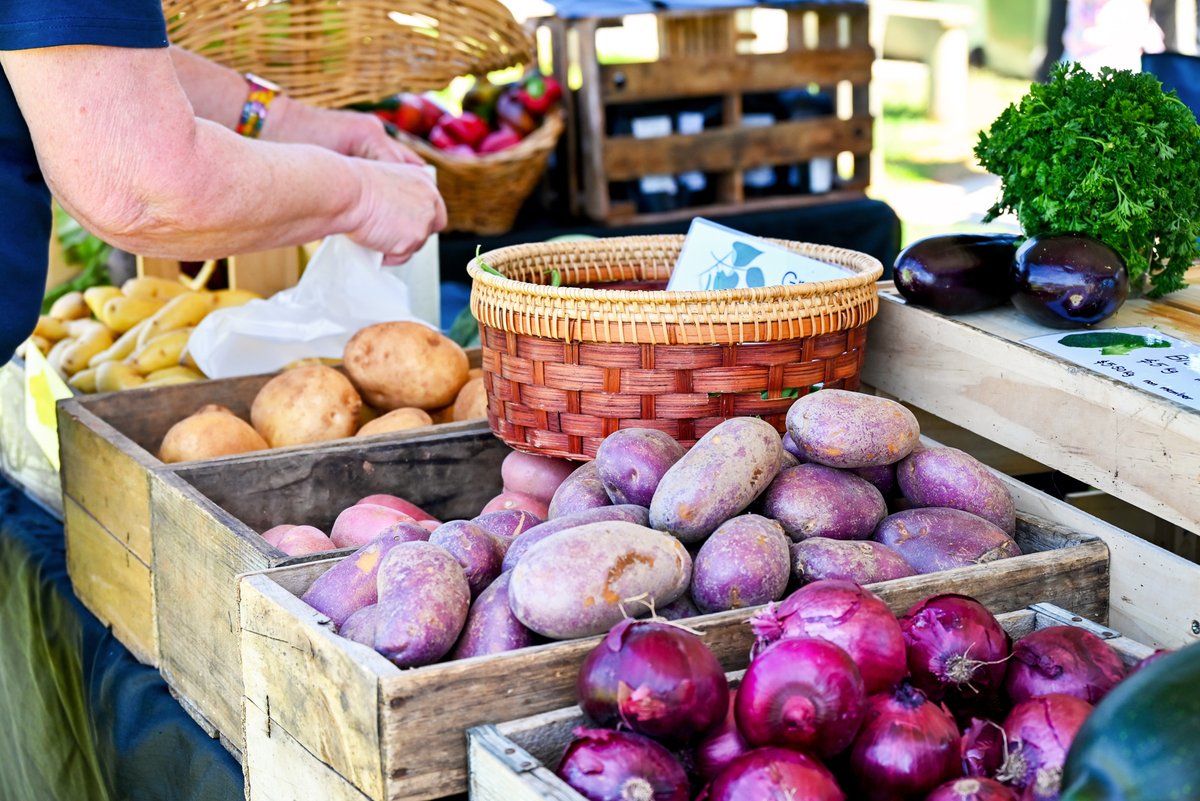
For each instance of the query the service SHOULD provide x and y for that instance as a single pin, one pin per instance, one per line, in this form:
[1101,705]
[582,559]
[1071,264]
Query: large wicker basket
[484,193]
[337,52]
[564,366]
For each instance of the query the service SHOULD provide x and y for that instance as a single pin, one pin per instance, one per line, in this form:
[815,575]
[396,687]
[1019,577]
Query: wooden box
[266,272]
[516,760]
[206,518]
[336,713]
[712,63]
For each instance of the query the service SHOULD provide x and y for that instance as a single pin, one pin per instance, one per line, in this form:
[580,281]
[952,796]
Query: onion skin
[907,746]
[606,765]
[957,650]
[765,774]
[1062,659]
[655,678]
[804,693]
[720,747]
[983,748]
[972,789]
[846,615]
[1039,733]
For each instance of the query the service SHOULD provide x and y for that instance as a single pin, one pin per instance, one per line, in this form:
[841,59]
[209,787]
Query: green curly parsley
[1113,157]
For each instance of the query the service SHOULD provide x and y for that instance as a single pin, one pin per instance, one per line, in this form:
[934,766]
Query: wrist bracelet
[258,100]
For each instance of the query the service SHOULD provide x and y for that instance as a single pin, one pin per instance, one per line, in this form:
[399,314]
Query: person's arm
[217,93]
[123,151]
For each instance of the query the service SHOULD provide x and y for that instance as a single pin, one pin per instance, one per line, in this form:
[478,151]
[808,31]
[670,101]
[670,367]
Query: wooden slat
[626,158]
[266,272]
[700,76]
[851,190]
[21,460]
[112,582]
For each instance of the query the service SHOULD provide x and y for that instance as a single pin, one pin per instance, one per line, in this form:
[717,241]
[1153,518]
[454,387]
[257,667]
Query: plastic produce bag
[344,288]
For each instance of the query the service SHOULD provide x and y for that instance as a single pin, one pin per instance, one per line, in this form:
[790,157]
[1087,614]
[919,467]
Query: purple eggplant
[1068,280]
[957,273]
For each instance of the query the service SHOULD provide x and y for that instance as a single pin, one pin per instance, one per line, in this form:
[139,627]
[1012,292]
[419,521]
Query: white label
[820,174]
[691,122]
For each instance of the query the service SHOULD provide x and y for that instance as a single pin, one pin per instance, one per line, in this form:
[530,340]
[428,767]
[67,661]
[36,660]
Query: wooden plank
[21,460]
[717,149]
[591,123]
[853,190]
[112,582]
[265,272]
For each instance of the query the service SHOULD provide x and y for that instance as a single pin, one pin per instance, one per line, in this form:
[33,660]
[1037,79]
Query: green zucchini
[1142,742]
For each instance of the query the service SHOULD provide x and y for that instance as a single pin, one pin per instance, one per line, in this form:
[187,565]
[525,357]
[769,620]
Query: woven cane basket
[566,366]
[484,193]
[337,52]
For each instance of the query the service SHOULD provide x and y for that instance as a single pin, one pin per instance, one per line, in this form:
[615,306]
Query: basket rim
[867,271]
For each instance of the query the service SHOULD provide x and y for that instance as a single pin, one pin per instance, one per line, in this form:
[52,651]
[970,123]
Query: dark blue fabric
[24,198]
[79,717]
[1179,72]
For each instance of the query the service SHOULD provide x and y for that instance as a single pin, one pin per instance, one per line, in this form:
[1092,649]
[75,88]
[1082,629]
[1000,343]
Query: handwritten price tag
[43,388]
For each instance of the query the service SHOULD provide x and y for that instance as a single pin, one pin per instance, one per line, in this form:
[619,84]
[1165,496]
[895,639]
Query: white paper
[1142,357]
[715,256]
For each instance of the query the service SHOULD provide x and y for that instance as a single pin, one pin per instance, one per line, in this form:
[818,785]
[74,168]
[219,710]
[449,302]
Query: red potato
[533,475]
[745,562]
[359,524]
[630,463]
[812,500]
[859,561]
[399,504]
[360,626]
[581,490]
[474,548]
[273,534]
[522,543]
[301,540]
[838,428]
[936,538]
[956,479]
[423,602]
[516,501]
[429,525]
[351,584]
[491,627]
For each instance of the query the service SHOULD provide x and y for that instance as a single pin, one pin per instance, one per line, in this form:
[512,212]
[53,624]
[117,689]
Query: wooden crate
[706,57]
[515,760]
[206,517]
[107,445]
[266,272]
[385,733]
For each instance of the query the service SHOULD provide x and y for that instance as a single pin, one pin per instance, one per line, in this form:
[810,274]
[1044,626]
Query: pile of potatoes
[395,376]
[107,338]
[738,520]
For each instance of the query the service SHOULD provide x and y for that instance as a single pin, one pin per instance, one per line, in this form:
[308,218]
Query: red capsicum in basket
[465,129]
[538,93]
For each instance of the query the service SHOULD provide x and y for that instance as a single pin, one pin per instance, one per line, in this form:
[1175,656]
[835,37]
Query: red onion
[657,678]
[972,789]
[1062,659]
[607,765]
[801,693]
[1039,733]
[1150,659]
[774,773]
[983,748]
[720,747]
[956,650]
[846,615]
[907,746]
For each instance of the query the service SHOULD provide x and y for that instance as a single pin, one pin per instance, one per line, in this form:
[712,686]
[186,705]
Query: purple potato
[790,446]
[506,524]
[627,512]
[351,584]
[474,548]
[581,490]
[811,500]
[883,476]
[360,627]
[839,428]
[860,561]
[957,480]
[679,609]
[632,461]
[491,627]
[745,562]
[423,602]
[936,538]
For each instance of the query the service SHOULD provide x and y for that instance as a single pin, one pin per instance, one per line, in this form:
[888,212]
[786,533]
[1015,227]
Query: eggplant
[1068,280]
[957,273]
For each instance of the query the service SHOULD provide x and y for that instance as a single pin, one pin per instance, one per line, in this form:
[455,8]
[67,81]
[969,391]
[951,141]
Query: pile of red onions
[1039,732]
[1063,659]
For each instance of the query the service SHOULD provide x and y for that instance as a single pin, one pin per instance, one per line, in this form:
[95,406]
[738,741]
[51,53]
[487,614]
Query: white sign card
[1143,357]
[715,256]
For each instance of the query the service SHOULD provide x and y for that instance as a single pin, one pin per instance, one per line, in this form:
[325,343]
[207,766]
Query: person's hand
[399,209]
[351,133]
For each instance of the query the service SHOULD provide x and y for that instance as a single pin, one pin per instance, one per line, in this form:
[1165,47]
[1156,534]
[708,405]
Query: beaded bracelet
[254,111]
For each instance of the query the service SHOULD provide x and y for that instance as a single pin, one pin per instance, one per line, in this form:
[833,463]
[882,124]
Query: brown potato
[306,404]
[471,403]
[401,364]
[207,433]
[396,420]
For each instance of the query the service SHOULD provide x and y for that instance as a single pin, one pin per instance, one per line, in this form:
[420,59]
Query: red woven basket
[565,366]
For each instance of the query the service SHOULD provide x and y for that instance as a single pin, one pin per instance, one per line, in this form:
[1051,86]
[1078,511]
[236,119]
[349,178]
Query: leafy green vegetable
[1111,156]
[465,329]
[79,248]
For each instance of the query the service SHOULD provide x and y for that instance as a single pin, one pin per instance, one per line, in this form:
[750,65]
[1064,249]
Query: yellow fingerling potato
[84,380]
[41,343]
[54,356]
[96,296]
[70,306]
[161,352]
[76,357]
[151,287]
[182,311]
[228,298]
[50,328]
[114,376]
[123,312]
[122,347]
[82,326]
[177,374]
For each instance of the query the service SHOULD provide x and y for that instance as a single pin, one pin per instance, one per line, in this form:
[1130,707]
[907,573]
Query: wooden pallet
[515,760]
[706,56]
[376,731]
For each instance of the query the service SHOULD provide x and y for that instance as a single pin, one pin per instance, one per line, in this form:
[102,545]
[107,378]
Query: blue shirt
[24,198]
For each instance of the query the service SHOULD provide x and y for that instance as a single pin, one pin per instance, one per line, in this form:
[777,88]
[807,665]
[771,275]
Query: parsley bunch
[1111,156]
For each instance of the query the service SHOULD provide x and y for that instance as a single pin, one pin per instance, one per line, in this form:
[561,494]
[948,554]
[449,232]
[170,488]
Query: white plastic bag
[344,288]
